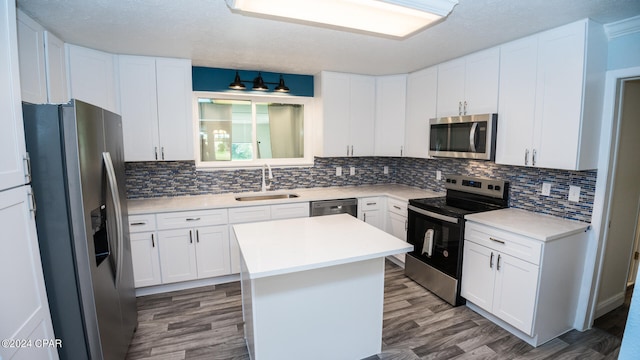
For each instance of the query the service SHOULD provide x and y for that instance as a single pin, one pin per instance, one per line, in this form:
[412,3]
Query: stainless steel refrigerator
[77,165]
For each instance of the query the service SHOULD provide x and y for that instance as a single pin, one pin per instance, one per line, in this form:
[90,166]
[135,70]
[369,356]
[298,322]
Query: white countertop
[200,202]
[285,246]
[534,225]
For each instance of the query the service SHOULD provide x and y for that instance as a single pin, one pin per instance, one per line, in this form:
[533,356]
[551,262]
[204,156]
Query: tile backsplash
[179,178]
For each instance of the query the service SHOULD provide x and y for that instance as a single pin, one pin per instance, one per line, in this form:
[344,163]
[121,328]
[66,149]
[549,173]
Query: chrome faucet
[264,182]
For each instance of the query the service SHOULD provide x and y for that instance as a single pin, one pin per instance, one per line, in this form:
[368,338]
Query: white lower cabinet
[146,259]
[370,211]
[530,287]
[397,221]
[501,284]
[212,251]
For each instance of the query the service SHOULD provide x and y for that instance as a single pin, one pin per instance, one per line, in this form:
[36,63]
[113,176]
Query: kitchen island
[313,288]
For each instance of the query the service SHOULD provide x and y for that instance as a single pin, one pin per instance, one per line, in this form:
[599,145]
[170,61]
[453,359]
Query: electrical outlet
[574,193]
[386,170]
[338,170]
[546,189]
[352,170]
[438,175]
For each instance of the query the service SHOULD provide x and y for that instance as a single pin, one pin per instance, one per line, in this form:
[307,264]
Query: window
[241,130]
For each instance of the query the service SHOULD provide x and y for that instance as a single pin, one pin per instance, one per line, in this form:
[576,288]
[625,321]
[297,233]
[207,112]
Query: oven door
[436,239]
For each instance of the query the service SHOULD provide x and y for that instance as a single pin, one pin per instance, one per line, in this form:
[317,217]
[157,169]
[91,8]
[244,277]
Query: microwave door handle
[472,137]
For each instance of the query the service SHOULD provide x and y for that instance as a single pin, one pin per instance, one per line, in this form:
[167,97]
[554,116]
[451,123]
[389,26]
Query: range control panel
[482,186]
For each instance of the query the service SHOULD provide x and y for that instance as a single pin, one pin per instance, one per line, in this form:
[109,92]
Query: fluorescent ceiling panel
[395,18]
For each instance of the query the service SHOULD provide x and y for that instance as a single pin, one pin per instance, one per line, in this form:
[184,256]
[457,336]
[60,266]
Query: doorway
[618,263]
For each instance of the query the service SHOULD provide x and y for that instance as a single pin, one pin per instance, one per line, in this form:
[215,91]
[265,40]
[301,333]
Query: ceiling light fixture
[258,84]
[395,18]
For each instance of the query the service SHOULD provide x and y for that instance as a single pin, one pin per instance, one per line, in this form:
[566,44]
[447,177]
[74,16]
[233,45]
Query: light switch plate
[574,193]
[352,170]
[386,170]
[546,189]
[338,170]
[438,175]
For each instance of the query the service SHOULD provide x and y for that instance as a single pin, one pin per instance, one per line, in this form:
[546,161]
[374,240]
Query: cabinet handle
[371,203]
[465,109]
[401,150]
[498,263]
[162,153]
[496,240]
[190,237]
[138,223]
[153,241]
[197,236]
[533,157]
[406,225]
[155,151]
[397,207]
[351,150]
[459,107]
[526,156]
[32,202]
[491,261]
[193,219]
[364,215]
[27,161]
[347,150]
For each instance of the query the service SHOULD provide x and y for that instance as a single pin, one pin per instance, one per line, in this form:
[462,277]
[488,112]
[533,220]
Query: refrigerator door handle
[113,186]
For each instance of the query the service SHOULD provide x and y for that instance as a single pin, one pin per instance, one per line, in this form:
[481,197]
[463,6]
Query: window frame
[307,102]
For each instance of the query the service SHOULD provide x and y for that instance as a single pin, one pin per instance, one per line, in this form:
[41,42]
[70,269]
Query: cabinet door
[57,92]
[335,92]
[25,310]
[397,226]
[422,92]
[175,122]
[515,292]
[561,58]
[391,94]
[373,217]
[481,82]
[516,113]
[12,148]
[478,275]
[361,115]
[451,77]
[146,259]
[31,53]
[212,251]
[139,107]
[177,255]
[92,77]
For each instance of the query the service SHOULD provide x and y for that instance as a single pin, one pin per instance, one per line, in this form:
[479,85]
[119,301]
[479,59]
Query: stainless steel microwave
[468,136]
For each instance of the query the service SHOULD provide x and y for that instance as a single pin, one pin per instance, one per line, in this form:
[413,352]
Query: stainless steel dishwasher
[338,206]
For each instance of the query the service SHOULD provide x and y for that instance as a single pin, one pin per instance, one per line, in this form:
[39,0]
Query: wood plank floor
[206,323]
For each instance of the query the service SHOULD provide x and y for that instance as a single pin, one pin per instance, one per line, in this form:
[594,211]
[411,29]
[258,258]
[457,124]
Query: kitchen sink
[266,197]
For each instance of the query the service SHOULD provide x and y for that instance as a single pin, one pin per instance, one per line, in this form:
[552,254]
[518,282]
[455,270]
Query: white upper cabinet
[552,119]
[156,108]
[56,69]
[422,89]
[391,94]
[469,85]
[12,147]
[92,77]
[347,114]
[43,73]
[31,54]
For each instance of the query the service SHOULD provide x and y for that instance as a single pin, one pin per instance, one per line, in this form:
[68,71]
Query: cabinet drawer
[176,220]
[249,214]
[516,245]
[290,211]
[370,203]
[141,223]
[397,206]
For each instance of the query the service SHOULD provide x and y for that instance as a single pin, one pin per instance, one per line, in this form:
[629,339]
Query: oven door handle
[446,218]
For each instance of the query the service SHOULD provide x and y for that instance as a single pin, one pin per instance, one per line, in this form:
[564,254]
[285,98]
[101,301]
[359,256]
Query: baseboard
[164,288]
[609,304]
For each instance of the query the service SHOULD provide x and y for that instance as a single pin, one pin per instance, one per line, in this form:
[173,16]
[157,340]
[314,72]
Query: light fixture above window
[258,84]
[395,18]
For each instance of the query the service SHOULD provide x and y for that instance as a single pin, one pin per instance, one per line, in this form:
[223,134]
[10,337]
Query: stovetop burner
[467,195]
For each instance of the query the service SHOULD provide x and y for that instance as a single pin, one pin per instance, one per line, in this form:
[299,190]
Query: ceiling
[211,35]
